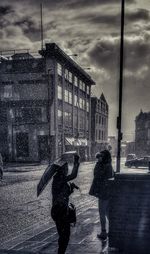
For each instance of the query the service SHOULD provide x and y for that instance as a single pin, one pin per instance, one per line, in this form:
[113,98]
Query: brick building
[142,134]
[99,123]
[44,106]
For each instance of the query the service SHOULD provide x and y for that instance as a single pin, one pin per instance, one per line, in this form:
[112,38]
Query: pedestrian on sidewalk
[60,212]
[100,188]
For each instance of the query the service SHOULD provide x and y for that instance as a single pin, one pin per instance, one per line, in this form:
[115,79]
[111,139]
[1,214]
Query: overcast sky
[91,29]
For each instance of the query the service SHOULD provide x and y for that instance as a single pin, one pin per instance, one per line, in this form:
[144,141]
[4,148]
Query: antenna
[41,7]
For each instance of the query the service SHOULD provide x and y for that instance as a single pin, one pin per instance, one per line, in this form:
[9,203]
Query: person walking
[100,188]
[60,212]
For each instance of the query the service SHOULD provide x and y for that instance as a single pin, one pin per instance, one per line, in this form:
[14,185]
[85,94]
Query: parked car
[131,156]
[141,162]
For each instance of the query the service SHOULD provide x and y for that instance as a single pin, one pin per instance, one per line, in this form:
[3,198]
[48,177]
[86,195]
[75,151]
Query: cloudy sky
[91,29]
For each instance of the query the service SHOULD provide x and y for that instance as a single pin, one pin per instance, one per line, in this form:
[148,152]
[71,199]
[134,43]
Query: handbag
[72,213]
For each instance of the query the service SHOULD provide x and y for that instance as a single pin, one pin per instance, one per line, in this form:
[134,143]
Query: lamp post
[119,118]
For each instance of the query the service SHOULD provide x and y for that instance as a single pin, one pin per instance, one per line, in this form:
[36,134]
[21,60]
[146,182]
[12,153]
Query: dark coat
[100,187]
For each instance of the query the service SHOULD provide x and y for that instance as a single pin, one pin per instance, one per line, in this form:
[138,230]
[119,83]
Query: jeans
[60,217]
[103,205]
[63,229]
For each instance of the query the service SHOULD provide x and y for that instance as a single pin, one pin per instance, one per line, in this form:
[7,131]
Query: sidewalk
[83,237]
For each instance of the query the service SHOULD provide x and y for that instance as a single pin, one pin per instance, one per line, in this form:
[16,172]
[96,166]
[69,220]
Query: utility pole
[119,118]
[41,7]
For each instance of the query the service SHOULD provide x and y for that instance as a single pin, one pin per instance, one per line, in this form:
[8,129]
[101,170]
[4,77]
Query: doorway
[43,150]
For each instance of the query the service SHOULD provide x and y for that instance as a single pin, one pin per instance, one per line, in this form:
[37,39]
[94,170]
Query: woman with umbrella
[61,190]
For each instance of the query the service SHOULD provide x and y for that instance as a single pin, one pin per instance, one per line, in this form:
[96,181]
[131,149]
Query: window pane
[75,81]
[60,92]
[59,69]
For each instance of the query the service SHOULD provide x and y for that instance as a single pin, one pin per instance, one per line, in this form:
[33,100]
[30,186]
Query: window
[88,90]
[59,117]
[80,85]
[66,74]
[8,91]
[68,96]
[96,118]
[87,106]
[99,134]
[59,92]
[99,119]
[68,119]
[76,101]
[80,103]
[59,69]
[83,86]
[70,77]
[30,115]
[96,135]
[82,123]
[75,81]
[3,114]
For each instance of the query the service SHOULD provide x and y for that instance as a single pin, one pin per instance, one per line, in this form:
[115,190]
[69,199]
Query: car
[141,162]
[131,156]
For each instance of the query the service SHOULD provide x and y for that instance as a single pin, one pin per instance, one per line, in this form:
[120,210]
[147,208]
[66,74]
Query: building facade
[142,134]
[99,124]
[45,106]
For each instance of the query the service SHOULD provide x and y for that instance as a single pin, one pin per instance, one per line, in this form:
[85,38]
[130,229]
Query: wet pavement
[25,222]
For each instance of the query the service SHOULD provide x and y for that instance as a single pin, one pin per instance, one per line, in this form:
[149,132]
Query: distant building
[142,134]
[45,106]
[99,123]
[112,140]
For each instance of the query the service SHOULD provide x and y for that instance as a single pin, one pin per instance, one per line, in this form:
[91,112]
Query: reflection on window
[82,103]
[68,96]
[87,106]
[66,74]
[68,119]
[88,90]
[59,69]
[76,101]
[75,81]
[82,85]
[8,91]
[70,76]
[59,92]
[59,117]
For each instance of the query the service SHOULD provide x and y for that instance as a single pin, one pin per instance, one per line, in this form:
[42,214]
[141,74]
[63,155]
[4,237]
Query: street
[21,210]
[23,215]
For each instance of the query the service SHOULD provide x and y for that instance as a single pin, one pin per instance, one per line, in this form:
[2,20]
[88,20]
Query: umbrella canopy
[52,169]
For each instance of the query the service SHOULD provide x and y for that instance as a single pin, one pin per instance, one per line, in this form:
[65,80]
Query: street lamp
[119,118]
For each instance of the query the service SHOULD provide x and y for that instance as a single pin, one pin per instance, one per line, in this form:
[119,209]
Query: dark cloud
[29,28]
[105,53]
[113,18]
[4,10]
[138,14]
[85,3]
